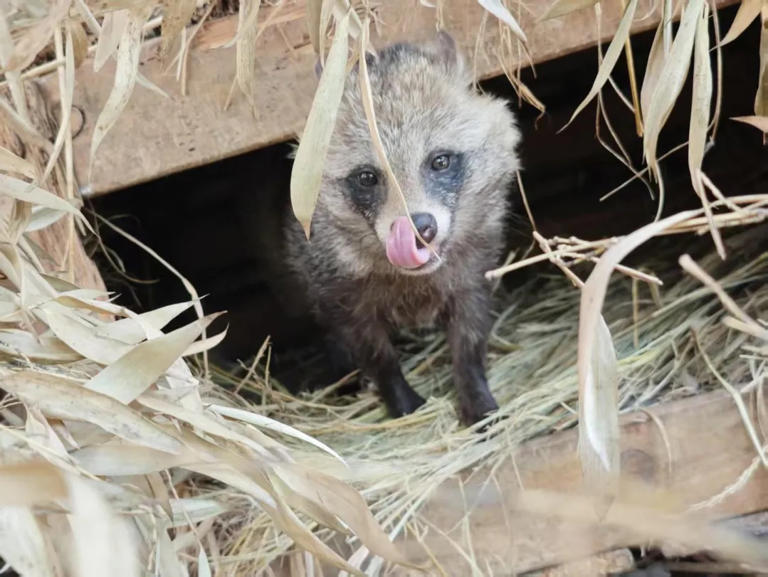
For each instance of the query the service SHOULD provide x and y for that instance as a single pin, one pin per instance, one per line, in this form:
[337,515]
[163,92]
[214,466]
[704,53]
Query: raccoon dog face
[452,152]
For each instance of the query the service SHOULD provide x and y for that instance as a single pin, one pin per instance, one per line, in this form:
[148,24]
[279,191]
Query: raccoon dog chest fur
[365,273]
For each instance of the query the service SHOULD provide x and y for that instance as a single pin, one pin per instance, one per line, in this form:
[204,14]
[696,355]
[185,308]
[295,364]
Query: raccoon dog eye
[441,162]
[367,178]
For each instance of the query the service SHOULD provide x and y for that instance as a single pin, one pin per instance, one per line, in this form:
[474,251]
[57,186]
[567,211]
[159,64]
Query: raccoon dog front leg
[469,325]
[374,354]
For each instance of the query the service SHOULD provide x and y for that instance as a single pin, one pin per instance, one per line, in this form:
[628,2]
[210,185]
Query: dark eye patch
[365,190]
[443,173]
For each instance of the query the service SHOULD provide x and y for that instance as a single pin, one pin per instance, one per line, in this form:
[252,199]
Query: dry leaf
[9,162]
[26,484]
[598,441]
[23,544]
[111,31]
[314,11]
[272,425]
[748,11]
[610,58]
[81,337]
[673,74]
[307,173]
[133,373]
[176,16]
[103,543]
[21,190]
[135,329]
[120,459]
[759,122]
[761,98]
[656,60]
[128,54]
[346,504]
[563,7]
[599,413]
[44,349]
[497,8]
[80,41]
[37,37]
[65,399]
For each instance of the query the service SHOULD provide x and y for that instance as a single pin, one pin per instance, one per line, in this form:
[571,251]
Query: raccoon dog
[364,271]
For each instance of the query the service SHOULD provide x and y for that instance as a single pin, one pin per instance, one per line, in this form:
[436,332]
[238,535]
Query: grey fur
[424,102]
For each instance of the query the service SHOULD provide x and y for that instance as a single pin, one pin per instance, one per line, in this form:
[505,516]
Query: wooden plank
[157,136]
[708,450]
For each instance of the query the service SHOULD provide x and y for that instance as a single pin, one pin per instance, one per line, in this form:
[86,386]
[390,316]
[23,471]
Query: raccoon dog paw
[477,407]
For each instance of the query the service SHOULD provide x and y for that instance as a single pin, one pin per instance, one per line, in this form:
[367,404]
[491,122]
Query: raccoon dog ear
[446,49]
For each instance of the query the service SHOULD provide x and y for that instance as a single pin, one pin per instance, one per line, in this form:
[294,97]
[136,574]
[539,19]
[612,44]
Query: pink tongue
[401,245]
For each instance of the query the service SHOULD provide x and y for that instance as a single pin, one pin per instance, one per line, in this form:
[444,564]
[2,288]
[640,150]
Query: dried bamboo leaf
[611,57]
[135,329]
[65,399]
[23,544]
[103,543]
[307,173]
[125,78]
[80,41]
[176,16]
[673,74]
[497,8]
[759,122]
[124,459]
[748,11]
[656,59]
[132,374]
[43,217]
[81,337]
[245,53]
[111,31]
[37,37]
[9,162]
[208,424]
[700,107]
[562,7]
[26,192]
[599,413]
[42,349]
[66,88]
[314,10]
[272,425]
[346,504]
[205,344]
[598,441]
[26,484]
[761,98]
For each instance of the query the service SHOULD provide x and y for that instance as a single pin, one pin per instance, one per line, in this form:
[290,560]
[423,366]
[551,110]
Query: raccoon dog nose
[426,225]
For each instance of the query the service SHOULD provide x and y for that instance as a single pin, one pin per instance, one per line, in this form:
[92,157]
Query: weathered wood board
[709,449]
[157,136]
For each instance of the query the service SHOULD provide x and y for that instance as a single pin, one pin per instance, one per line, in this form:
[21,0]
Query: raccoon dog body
[364,271]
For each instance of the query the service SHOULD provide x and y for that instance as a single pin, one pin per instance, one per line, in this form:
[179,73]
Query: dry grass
[120,455]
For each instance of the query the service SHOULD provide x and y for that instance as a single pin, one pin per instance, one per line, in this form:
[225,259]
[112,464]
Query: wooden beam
[156,136]
[708,450]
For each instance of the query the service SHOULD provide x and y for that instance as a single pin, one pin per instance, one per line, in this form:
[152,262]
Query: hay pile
[665,338]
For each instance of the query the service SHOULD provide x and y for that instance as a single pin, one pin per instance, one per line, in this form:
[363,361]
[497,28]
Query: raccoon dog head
[451,149]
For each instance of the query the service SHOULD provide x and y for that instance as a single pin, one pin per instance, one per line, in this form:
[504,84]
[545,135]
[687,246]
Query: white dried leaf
[611,57]
[307,172]
[759,122]
[673,74]
[9,162]
[111,31]
[501,12]
[133,373]
[146,325]
[128,54]
[65,399]
[748,11]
